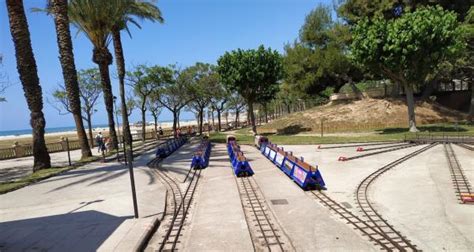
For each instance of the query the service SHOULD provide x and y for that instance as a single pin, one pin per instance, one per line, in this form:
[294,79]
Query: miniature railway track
[177,205]
[373,218]
[386,147]
[371,232]
[257,214]
[380,152]
[460,181]
[358,145]
[466,146]
[371,223]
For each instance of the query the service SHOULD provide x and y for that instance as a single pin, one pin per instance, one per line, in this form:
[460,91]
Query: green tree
[142,80]
[66,57]
[250,73]
[218,99]
[319,59]
[4,83]
[127,12]
[407,49]
[202,78]
[96,19]
[356,10]
[28,73]
[154,106]
[468,61]
[174,90]
[237,104]
[89,92]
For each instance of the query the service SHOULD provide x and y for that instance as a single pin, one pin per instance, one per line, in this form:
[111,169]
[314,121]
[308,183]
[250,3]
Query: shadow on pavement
[79,231]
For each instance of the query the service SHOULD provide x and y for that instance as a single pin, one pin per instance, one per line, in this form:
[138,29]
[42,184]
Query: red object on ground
[319,146]
[467,198]
[342,159]
[360,149]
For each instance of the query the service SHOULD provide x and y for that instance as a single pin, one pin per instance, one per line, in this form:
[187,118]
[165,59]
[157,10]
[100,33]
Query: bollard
[68,152]
[132,183]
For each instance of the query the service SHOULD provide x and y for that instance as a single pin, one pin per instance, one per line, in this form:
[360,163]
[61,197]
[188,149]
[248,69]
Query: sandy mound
[367,112]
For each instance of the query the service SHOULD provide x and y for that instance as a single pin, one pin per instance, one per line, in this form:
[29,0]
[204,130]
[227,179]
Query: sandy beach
[8,141]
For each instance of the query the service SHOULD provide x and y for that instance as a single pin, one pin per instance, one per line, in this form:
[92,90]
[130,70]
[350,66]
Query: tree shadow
[432,128]
[79,231]
[292,130]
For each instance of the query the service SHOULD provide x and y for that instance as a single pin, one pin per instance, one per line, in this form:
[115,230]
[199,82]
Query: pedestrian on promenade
[99,140]
[178,132]
[160,130]
[107,144]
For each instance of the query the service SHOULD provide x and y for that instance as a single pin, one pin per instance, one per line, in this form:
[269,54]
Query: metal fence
[25,150]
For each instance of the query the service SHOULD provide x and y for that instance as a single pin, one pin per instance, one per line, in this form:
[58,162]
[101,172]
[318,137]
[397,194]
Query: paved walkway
[218,220]
[13,169]
[310,226]
[86,209]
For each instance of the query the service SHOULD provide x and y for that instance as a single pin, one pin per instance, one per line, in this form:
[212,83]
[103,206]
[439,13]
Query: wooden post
[19,149]
[322,127]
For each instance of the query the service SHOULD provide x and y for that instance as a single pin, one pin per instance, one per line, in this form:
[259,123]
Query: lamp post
[130,167]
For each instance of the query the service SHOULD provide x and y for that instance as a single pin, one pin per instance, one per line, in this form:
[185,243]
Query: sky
[194,31]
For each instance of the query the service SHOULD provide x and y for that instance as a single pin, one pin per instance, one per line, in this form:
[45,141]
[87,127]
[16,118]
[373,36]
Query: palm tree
[95,20]
[28,73]
[129,9]
[66,56]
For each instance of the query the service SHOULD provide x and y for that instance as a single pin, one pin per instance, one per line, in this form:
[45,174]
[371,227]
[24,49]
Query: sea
[23,132]
[47,130]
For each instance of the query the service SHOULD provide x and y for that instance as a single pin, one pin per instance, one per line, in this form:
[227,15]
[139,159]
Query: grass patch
[32,178]
[299,139]
[387,134]
[42,174]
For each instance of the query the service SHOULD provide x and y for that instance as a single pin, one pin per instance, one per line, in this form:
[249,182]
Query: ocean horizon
[21,132]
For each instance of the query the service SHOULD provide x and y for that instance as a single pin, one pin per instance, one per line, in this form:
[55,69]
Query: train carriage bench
[306,176]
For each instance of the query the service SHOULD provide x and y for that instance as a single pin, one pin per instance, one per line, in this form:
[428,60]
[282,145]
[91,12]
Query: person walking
[160,131]
[99,140]
[107,144]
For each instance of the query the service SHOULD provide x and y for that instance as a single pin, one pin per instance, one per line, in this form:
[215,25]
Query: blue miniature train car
[305,175]
[165,149]
[201,155]
[240,165]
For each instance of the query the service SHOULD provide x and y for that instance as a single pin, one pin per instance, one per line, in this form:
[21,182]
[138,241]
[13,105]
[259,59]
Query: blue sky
[194,30]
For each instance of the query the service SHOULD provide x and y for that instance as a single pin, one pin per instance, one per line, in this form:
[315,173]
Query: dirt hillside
[370,113]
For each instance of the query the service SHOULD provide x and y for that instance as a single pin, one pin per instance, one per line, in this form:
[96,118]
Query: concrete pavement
[218,221]
[13,169]
[417,196]
[310,226]
[86,209]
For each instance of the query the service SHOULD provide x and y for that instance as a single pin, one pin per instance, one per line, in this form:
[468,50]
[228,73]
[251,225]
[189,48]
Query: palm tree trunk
[28,74]
[66,57]
[103,58]
[120,62]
